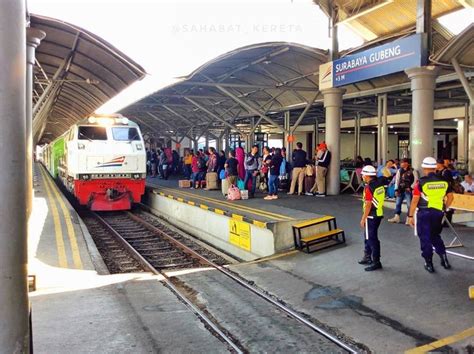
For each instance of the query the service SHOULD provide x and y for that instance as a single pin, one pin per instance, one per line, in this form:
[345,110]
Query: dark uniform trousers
[372,243]
[428,227]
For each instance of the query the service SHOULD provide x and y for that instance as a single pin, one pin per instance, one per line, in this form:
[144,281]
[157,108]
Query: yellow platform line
[264,213]
[442,342]
[57,225]
[260,223]
[237,217]
[219,211]
[76,255]
[269,258]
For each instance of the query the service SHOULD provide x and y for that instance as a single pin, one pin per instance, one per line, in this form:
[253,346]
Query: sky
[170,39]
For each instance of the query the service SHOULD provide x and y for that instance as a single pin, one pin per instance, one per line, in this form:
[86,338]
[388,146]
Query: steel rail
[139,258]
[256,291]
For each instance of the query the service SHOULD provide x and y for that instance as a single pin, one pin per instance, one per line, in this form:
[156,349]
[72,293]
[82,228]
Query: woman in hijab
[240,156]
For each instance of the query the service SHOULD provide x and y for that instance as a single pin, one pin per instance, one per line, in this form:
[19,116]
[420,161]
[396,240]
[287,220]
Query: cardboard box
[244,194]
[463,202]
[184,183]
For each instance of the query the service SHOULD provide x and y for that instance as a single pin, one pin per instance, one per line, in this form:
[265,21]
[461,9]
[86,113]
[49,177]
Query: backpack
[457,187]
[201,163]
[283,168]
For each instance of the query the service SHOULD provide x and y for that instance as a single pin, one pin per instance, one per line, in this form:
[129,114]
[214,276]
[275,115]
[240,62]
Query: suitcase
[308,183]
[224,186]
[211,180]
[283,183]
[184,183]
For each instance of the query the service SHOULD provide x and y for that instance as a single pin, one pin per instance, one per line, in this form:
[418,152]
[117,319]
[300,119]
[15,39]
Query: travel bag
[211,180]
[224,186]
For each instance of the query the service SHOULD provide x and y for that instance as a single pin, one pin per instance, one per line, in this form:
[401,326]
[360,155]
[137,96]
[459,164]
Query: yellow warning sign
[239,234]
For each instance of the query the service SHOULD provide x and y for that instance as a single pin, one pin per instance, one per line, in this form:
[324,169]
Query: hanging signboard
[382,60]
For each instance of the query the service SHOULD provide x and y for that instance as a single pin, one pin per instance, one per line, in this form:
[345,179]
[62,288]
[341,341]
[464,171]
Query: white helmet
[369,171]
[429,162]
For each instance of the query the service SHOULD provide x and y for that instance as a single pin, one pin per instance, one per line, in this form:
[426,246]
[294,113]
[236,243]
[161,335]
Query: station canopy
[76,72]
[256,84]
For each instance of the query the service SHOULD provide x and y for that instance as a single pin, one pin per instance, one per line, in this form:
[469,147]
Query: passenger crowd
[269,171]
[428,197]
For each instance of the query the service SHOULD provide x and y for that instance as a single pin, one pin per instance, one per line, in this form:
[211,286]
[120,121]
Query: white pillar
[333,110]
[423,84]
[33,39]
[462,139]
[13,247]
[470,138]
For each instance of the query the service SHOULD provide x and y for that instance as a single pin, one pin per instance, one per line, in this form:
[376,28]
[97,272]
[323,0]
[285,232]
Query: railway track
[155,248]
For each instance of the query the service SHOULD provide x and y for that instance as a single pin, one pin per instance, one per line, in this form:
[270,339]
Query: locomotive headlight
[139,147]
[136,176]
[81,146]
[105,121]
[124,120]
[85,177]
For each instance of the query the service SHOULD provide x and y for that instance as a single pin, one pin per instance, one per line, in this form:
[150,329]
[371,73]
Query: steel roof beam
[250,86]
[166,123]
[215,116]
[303,114]
[250,108]
[155,130]
[269,54]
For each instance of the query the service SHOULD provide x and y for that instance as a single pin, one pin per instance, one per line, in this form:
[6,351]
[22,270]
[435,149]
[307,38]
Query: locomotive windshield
[92,133]
[125,134]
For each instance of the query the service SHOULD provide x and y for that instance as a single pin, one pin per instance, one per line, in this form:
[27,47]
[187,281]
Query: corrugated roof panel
[83,72]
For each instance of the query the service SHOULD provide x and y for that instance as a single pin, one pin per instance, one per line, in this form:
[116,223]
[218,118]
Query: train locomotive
[101,161]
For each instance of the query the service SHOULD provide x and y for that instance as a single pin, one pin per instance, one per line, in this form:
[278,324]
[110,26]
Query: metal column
[315,134]
[13,225]
[333,107]
[468,122]
[286,143]
[33,39]
[423,84]
[251,134]
[356,136]
[382,131]
[227,140]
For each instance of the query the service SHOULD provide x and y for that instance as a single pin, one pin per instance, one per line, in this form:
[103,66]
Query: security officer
[373,199]
[428,199]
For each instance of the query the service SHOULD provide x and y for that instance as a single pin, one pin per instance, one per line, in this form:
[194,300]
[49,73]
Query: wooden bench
[331,237]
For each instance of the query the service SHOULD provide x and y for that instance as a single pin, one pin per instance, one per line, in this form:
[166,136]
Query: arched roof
[261,78]
[460,47]
[75,73]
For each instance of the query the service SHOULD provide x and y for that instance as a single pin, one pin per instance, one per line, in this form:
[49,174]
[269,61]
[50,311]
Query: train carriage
[101,161]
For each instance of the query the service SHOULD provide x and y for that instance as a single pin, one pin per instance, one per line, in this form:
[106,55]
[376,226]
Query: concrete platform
[393,310]
[79,308]
[205,214]
[389,311]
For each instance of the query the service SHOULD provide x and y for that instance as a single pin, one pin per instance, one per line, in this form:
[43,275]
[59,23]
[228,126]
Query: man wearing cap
[426,213]
[322,164]
[372,199]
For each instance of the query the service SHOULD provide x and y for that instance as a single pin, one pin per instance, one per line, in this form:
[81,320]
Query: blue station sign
[386,59]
